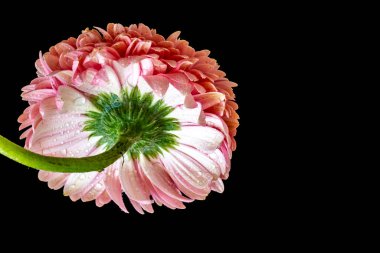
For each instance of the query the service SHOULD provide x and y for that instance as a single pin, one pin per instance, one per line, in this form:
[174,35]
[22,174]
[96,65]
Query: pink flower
[76,71]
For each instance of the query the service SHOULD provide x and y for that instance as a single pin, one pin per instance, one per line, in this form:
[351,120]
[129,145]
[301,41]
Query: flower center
[133,115]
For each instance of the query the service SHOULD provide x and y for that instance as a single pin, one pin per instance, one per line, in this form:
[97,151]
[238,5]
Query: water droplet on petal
[63,152]
[98,186]
[80,101]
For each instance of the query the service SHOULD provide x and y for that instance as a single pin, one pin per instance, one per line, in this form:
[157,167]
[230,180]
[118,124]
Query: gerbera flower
[165,110]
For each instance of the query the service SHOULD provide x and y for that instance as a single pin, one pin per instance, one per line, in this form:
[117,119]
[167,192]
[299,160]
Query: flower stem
[69,165]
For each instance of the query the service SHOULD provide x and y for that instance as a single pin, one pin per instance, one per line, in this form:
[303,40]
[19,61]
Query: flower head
[171,103]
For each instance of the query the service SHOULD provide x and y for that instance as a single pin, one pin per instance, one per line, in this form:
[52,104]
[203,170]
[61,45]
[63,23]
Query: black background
[27,205]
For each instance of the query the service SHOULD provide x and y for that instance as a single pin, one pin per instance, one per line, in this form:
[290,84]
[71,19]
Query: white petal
[74,101]
[186,168]
[95,188]
[220,159]
[187,115]
[61,134]
[188,175]
[94,82]
[201,137]
[174,97]
[158,85]
[130,69]
[77,182]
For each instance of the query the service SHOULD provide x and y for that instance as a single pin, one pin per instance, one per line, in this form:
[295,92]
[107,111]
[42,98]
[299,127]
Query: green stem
[58,164]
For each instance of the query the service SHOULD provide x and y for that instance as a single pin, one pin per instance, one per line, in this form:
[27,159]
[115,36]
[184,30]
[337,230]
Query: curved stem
[58,164]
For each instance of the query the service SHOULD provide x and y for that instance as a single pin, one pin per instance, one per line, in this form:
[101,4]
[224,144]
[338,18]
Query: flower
[91,89]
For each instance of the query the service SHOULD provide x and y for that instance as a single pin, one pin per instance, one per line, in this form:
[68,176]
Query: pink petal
[132,183]
[79,147]
[48,108]
[52,61]
[157,175]
[94,191]
[59,128]
[57,181]
[128,73]
[180,81]
[227,153]
[130,69]
[65,77]
[171,63]
[174,36]
[146,66]
[200,89]
[46,83]
[26,133]
[60,131]
[217,109]
[96,187]
[24,116]
[103,199]
[140,208]
[38,95]
[115,29]
[26,124]
[210,99]
[168,201]
[148,208]
[206,163]
[41,65]
[102,56]
[218,186]
[189,176]
[216,122]
[137,206]
[105,34]
[113,186]
[142,48]
[45,175]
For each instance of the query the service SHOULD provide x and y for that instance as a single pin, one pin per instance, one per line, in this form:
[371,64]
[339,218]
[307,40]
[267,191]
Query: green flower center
[133,116]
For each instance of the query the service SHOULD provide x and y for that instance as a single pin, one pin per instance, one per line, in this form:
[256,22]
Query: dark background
[27,205]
